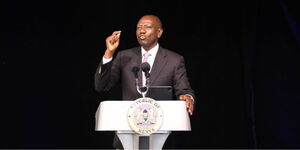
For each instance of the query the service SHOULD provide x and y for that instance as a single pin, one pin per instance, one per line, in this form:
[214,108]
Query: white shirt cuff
[106,60]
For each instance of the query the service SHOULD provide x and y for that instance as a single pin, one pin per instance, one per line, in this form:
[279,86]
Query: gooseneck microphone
[135,70]
[145,68]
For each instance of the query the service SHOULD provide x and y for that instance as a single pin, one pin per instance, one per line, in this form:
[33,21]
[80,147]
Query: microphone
[135,70]
[146,69]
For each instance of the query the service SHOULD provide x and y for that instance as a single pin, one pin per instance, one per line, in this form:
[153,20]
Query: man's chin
[143,43]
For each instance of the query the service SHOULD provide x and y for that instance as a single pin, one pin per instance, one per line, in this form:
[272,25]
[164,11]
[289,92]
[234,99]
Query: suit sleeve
[107,75]
[181,81]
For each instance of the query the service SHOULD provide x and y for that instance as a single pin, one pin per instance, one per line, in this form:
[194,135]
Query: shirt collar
[152,51]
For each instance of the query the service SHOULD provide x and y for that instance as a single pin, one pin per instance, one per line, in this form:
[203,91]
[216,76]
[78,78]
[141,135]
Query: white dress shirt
[152,56]
[150,59]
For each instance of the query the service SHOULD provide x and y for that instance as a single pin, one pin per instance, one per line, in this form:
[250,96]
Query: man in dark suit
[167,67]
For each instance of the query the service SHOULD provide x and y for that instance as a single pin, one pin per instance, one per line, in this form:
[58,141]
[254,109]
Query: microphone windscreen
[135,70]
[145,67]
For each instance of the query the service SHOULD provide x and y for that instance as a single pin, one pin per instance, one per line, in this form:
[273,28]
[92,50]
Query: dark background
[242,60]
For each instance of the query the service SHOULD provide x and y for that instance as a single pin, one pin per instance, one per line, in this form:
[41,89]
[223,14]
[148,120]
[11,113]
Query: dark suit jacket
[168,70]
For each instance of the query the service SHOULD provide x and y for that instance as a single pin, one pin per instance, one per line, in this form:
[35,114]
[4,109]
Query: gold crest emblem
[145,116]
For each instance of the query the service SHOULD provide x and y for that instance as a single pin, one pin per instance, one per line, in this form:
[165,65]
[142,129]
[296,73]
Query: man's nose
[142,30]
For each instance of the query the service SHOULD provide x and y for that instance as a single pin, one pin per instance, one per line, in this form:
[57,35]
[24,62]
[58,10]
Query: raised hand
[112,43]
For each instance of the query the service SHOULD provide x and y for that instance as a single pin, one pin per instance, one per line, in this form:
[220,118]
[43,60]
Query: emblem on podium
[145,116]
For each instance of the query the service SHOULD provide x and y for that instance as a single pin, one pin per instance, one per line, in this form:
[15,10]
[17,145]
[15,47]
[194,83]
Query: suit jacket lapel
[159,63]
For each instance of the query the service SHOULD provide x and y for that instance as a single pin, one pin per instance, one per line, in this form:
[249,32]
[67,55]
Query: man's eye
[144,27]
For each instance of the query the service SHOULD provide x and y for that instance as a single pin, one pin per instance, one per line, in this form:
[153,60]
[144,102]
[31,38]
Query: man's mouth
[142,37]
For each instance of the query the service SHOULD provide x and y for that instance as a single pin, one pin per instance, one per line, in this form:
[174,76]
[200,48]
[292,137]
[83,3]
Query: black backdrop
[242,60]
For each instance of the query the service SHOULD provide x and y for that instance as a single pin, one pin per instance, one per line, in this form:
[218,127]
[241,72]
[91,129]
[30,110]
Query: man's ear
[160,32]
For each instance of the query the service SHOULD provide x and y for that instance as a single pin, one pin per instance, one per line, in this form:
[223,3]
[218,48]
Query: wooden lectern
[112,116]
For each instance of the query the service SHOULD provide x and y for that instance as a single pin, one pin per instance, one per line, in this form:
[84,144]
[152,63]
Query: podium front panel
[112,116]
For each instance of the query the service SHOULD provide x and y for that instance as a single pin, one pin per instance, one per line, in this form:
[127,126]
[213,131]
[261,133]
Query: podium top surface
[112,116]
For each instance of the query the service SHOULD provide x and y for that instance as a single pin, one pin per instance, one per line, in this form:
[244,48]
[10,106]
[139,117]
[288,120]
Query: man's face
[148,32]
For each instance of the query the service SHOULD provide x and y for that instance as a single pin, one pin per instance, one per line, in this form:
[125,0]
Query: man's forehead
[144,21]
